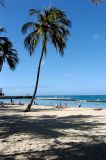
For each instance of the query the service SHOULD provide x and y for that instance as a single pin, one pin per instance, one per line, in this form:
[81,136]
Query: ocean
[86,101]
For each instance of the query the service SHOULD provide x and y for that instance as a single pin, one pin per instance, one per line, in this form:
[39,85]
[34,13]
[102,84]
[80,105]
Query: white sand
[48,133]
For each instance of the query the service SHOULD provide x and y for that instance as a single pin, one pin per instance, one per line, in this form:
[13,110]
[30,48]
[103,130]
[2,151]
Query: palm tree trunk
[36,86]
[1,66]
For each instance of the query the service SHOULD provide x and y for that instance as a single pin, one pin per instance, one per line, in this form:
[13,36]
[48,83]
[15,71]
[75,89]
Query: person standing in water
[79,105]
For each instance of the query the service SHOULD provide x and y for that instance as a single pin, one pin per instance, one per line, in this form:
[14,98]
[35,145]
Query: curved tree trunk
[0,68]
[1,65]
[36,86]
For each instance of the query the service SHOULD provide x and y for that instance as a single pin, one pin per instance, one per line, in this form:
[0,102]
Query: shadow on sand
[50,127]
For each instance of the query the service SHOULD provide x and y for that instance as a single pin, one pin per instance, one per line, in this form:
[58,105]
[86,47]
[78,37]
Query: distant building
[1,92]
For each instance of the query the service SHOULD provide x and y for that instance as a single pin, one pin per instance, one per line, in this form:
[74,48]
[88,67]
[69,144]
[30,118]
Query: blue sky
[82,70]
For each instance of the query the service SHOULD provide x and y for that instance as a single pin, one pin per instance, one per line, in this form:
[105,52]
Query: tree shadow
[73,151]
[47,127]
[10,108]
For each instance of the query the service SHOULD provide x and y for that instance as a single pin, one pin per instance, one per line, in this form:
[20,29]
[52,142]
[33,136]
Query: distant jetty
[55,99]
[15,97]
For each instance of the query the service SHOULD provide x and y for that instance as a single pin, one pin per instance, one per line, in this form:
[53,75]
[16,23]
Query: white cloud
[96,36]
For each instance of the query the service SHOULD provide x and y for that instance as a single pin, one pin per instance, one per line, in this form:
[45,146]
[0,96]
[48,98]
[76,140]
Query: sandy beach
[48,133]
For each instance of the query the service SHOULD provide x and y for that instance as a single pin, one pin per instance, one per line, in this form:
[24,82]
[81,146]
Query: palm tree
[2,2]
[52,25]
[7,53]
[2,29]
[97,1]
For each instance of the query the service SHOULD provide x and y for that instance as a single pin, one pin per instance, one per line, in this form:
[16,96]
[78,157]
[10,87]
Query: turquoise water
[68,100]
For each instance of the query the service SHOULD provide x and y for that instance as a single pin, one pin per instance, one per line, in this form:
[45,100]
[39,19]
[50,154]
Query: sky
[82,70]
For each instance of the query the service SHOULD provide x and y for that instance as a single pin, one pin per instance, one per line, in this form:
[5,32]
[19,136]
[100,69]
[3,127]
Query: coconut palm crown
[97,1]
[7,53]
[51,25]
[2,2]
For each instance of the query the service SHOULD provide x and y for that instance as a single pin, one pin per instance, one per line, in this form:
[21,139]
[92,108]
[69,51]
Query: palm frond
[2,2]
[31,41]
[97,1]
[12,58]
[57,15]
[34,11]
[27,26]
[8,53]
[4,39]
[2,29]
[58,40]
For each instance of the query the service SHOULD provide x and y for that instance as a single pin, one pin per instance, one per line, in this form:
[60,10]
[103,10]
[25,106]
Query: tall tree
[52,25]
[2,2]
[7,53]
[97,1]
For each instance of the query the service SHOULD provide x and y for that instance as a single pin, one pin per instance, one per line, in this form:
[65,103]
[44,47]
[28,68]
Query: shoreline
[50,106]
